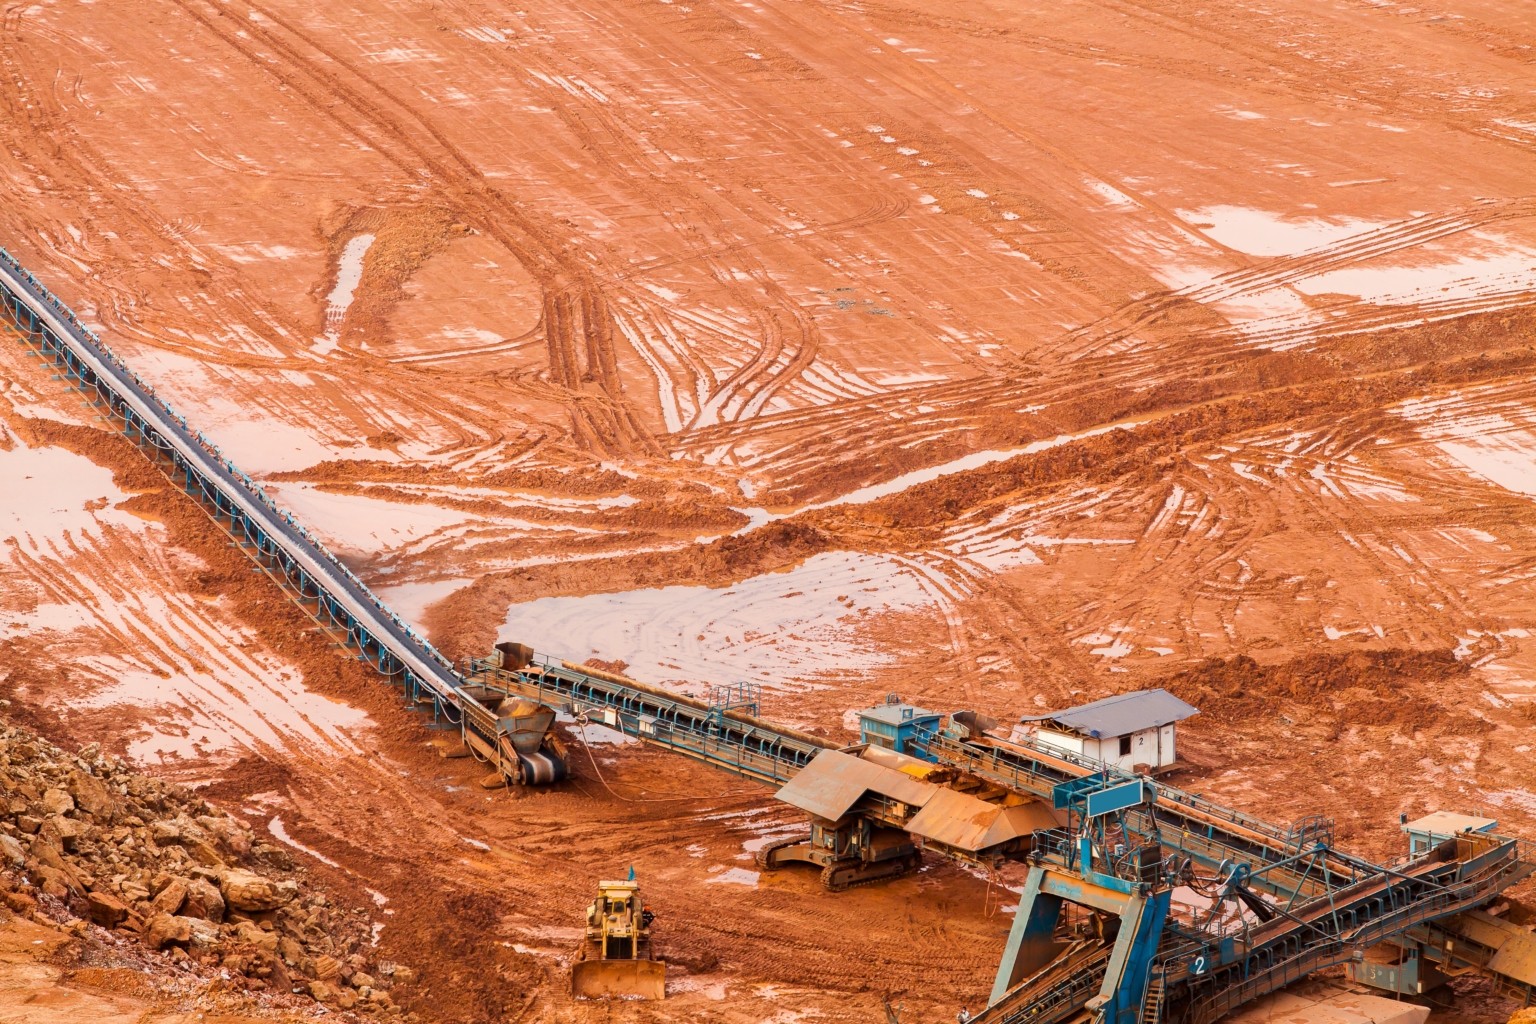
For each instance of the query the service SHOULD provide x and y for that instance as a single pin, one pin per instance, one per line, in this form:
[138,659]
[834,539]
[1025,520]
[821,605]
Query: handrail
[1020,763]
[737,743]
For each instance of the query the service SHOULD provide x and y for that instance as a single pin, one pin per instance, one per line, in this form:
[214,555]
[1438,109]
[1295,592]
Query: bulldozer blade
[635,979]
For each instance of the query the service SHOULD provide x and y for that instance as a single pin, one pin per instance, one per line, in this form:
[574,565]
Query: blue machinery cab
[895,726]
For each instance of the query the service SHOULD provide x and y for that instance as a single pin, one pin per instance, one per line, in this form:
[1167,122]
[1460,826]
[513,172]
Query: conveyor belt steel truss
[1197,970]
[274,540]
[1212,836]
[724,738]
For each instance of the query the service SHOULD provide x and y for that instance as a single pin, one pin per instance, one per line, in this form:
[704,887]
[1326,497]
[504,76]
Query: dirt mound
[93,848]
[1388,687]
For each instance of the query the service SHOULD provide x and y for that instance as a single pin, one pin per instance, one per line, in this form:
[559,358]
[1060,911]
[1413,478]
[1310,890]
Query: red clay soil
[1217,319]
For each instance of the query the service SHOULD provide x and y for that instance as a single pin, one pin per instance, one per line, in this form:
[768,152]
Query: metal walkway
[1208,833]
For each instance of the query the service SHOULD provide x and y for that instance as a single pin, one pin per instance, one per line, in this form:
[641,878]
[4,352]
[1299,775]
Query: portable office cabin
[1430,831]
[1129,730]
[891,725]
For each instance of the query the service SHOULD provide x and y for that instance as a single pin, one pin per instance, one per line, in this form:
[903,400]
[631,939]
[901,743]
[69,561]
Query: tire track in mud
[947,586]
[1250,486]
[1479,413]
[578,327]
[1161,538]
[130,622]
[1214,542]
[70,163]
[978,613]
[1203,532]
[1390,238]
[1141,314]
[1283,333]
[988,621]
[141,231]
[888,420]
[692,211]
[605,127]
[750,370]
[493,348]
[1297,73]
[1065,246]
[1447,613]
[866,411]
[1143,560]
[894,418]
[786,343]
[1138,314]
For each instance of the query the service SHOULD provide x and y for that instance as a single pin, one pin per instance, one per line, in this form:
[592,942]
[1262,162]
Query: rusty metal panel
[1328,1006]
[1483,928]
[1448,823]
[904,763]
[969,823]
[830,785]
[1516,958]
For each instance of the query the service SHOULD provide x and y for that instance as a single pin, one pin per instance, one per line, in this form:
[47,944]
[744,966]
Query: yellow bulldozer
[616,957]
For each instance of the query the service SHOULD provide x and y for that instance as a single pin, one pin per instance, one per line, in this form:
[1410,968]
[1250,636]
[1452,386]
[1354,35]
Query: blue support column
[1031,940]
[1130,963]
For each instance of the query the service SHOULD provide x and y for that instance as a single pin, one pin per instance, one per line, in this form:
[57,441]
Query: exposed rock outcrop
[85,841]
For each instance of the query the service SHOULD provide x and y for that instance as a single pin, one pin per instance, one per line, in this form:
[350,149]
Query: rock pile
[85,840]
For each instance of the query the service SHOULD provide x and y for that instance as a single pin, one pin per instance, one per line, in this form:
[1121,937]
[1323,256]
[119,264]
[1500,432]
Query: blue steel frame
[1207,976]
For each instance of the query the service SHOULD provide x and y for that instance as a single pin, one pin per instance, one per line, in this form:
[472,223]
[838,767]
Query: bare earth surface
[33,990]
[1001,355]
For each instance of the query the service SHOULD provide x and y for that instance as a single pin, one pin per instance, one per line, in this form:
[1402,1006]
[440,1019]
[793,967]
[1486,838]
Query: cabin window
[1125,746]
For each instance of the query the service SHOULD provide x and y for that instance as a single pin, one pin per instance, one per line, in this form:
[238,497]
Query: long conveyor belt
[271,535]
[331,592]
